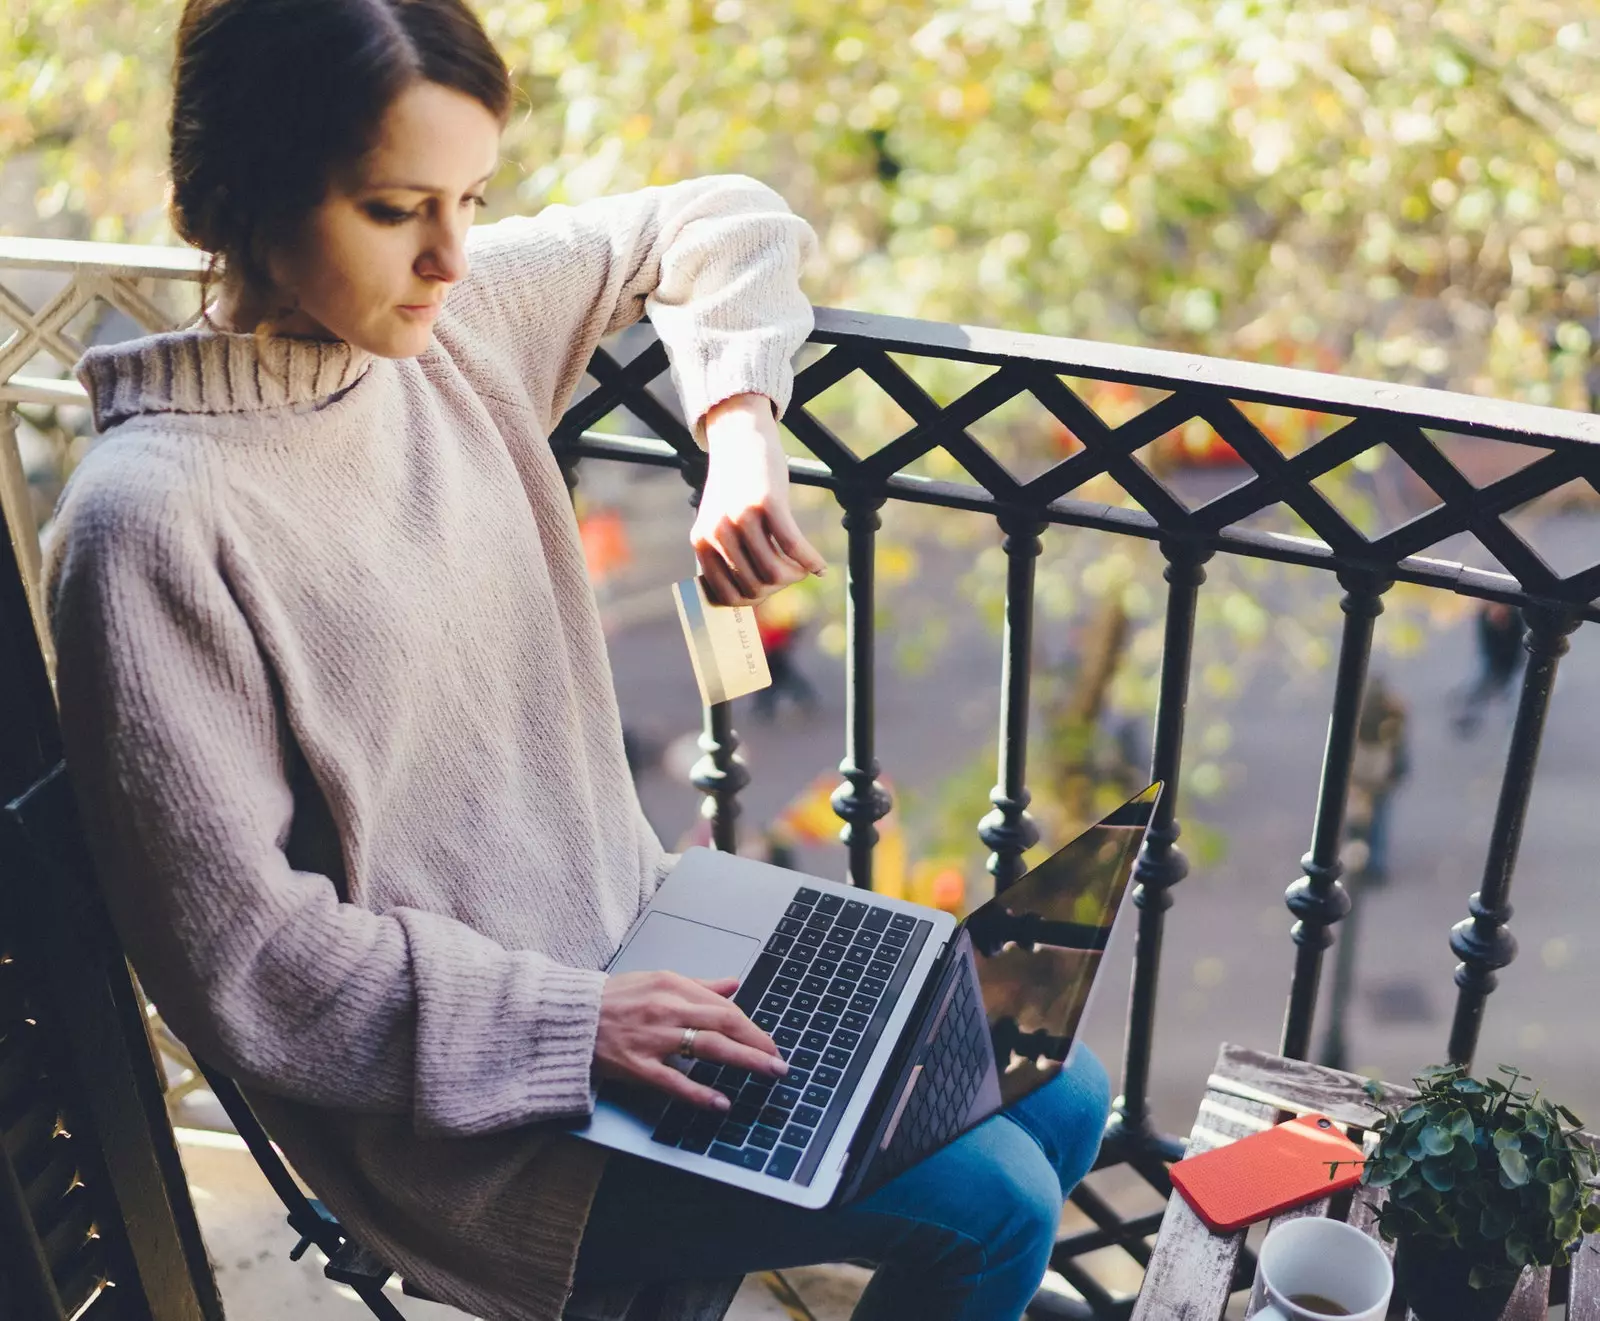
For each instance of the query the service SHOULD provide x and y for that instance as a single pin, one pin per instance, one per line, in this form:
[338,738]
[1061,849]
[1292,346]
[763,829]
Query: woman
[337,705]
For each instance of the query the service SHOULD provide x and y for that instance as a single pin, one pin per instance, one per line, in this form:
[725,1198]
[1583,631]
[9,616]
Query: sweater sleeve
[179,755]
[715,262]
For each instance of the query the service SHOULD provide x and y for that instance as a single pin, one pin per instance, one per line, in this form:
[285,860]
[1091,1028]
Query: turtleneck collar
[202,370]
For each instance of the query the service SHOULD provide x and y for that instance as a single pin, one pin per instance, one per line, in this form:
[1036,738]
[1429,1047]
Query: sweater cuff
[534,1063]
[761,368]
[560,1079]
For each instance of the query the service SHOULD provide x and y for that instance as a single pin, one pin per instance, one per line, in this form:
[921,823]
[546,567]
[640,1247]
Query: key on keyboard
[825,1028]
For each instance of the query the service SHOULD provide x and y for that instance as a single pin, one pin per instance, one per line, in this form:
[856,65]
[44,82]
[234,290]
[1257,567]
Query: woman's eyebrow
[422,187]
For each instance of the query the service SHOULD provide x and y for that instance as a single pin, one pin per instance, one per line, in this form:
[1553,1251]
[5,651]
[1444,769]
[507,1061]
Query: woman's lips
[421,311]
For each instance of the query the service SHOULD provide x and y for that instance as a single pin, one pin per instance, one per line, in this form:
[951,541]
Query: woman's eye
[479,202]
[388,215]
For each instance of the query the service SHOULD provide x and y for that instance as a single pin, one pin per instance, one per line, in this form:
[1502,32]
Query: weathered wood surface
[1189,1275]
[1531,1299]
[1297,1087]
[1583,1290]
[1191,1268]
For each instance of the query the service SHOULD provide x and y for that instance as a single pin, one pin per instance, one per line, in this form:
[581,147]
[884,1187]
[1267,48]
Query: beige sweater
[337,706]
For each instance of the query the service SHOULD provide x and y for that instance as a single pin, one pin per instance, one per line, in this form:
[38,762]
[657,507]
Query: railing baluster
[1160,865]
[1008,829]
[1482,942]
[1317,899]
[861,801]
[719,775]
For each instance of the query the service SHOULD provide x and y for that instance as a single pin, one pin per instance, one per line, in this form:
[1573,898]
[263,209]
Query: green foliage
[1486,1166]
[1400,190]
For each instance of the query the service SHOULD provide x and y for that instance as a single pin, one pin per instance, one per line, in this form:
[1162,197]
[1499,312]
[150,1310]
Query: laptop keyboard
[954,1067]
[822,988]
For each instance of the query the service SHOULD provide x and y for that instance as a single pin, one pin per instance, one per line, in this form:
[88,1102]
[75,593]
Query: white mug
[1314,1258]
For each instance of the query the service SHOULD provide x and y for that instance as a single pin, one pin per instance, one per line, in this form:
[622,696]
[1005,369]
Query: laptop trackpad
[692,948]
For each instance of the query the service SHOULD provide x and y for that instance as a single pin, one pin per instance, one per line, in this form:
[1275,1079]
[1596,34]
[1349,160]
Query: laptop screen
[1039,945]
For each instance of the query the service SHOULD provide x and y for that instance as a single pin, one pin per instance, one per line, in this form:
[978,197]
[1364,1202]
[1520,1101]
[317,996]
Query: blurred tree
[1395,187]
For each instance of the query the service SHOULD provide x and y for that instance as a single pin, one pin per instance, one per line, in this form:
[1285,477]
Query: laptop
[903,1028]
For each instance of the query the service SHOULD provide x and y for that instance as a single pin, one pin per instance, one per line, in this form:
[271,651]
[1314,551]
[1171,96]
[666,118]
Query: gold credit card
[724,645]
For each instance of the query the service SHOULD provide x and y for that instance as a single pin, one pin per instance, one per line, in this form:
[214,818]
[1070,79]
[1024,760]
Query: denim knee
[1067,1117]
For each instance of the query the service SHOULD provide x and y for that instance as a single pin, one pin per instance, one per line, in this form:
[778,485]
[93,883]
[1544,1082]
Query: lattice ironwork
[1380,417]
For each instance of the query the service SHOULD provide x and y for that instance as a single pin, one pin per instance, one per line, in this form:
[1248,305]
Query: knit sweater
[338,710]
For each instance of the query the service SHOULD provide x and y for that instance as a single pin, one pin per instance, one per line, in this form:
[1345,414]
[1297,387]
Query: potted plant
[1484,1178]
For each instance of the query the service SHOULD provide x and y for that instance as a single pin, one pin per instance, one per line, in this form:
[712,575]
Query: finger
[720,588]
[771,568]
[723,986]
[718,1049]
[730,1021]
[730,545]
[667,1079]
[786,535]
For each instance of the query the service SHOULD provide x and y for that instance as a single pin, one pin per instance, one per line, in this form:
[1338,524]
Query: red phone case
[1258,1176]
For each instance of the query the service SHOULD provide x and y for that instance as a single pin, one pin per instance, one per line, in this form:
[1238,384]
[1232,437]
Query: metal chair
[46,825]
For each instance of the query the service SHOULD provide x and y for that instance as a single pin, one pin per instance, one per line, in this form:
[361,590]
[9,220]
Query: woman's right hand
[642,1020]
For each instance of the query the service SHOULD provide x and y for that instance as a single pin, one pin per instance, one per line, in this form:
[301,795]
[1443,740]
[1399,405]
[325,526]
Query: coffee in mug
[1313,1268]
[1315,1302]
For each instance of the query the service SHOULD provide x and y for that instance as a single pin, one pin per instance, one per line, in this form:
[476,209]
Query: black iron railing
[1398,417]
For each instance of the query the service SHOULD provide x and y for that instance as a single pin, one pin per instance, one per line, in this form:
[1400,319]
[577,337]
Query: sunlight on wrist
[740,412]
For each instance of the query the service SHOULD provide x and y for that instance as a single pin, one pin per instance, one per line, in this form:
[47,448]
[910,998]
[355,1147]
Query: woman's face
[382,249]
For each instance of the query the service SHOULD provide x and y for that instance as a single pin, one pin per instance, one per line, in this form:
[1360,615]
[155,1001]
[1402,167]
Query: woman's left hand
[745,536]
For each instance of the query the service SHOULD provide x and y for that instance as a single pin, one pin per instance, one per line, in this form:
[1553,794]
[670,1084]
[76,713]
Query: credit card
[724,644]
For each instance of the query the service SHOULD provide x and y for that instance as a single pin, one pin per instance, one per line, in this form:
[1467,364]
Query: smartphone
[1258,1176]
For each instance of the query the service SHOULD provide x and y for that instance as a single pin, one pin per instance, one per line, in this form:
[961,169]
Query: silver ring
[686,1046]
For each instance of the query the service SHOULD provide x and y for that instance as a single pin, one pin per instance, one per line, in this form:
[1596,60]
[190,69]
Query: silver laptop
[902,1027]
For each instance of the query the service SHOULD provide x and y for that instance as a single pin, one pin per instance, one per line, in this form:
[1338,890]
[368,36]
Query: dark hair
[272,97]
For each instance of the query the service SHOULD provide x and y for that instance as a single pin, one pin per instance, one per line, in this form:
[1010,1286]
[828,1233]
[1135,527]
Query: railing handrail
[159,261]
[1266,383]
[1255,382]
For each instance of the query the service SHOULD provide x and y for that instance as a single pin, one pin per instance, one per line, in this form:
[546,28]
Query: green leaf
[1563,1194]
[1518,1247]
[1412,1113]
[1440,1174]
[1465,1156]
[1591,1218]
[1568,1226]
[1461,1124]
[1467,1087]
[1570,1117]
[1505,1138]
[1495,1220]
[1549,1171]
[1436,1140]
[1382,1173]
[1513,1168]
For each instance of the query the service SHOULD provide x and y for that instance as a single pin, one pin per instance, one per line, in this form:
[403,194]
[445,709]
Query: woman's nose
[446,258]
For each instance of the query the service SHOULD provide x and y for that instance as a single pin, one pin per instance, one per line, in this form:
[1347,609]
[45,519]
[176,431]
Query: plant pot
[1432,1278]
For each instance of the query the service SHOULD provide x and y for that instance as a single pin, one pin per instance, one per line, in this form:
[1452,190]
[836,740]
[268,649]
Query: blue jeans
[963,1236]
